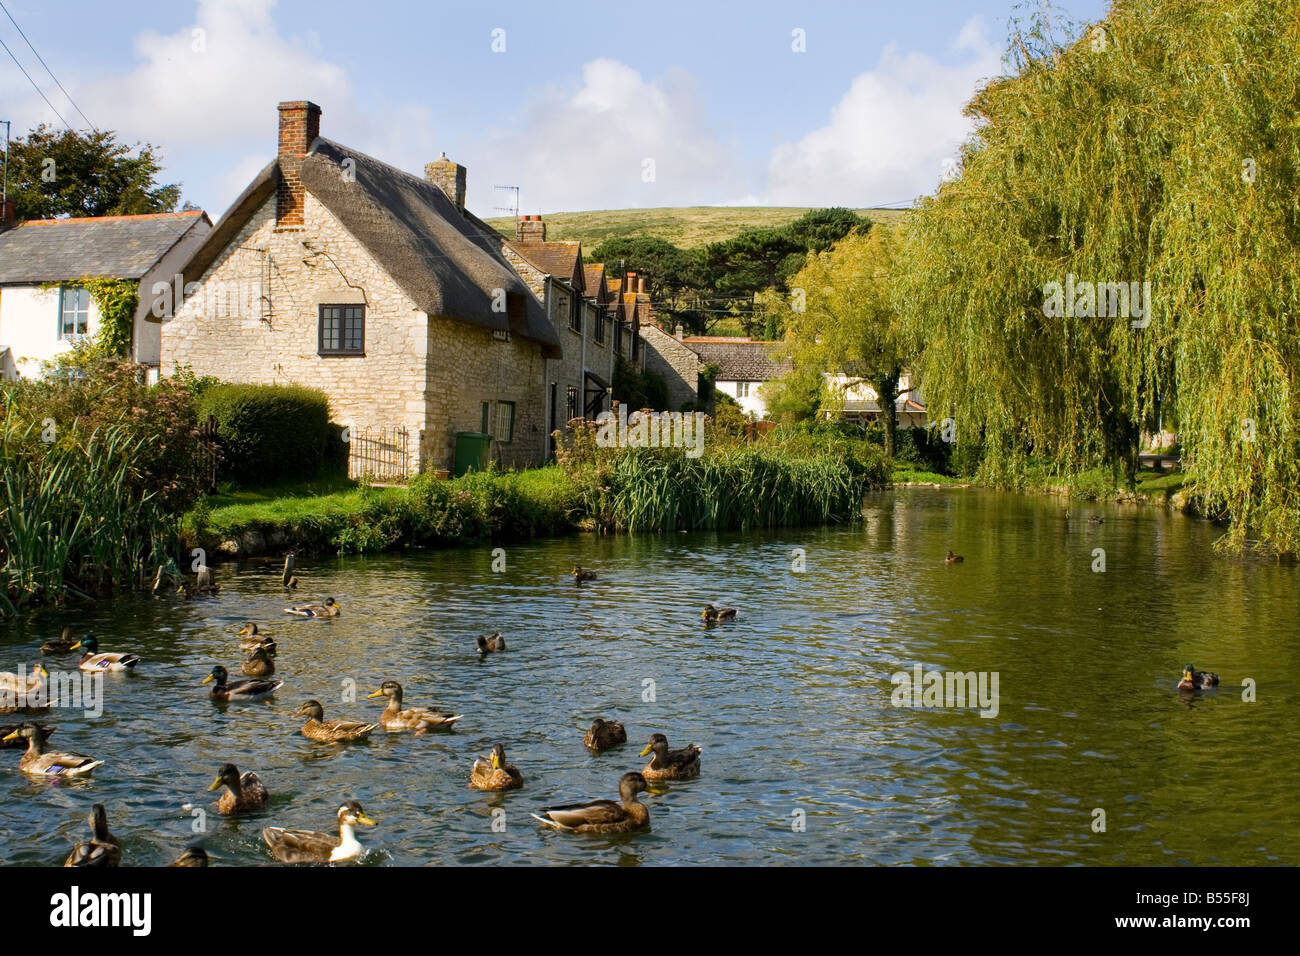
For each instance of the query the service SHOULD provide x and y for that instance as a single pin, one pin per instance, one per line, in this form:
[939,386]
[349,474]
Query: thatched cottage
[335,270]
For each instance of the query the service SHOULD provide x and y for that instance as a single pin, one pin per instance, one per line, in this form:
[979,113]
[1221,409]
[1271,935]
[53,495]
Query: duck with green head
[93,660]
[1197,680]
[242,689]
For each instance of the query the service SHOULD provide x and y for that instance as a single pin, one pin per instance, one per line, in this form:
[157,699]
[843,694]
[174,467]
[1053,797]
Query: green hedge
[270,432]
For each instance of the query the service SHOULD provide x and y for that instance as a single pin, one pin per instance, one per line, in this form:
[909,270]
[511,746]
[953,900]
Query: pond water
[806,759]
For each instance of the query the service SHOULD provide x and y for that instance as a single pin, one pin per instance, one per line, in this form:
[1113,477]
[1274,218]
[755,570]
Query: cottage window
[600,326]
[575,314]
[742,390]
[342,330]
[505,422]
[74,312]
[571,404]
[618,335]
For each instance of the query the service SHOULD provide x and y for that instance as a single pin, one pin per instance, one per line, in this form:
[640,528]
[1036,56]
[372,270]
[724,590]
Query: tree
[1149,157]
[848,323]
[54,174]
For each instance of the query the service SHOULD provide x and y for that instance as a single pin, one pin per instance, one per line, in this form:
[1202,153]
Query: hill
[686,226]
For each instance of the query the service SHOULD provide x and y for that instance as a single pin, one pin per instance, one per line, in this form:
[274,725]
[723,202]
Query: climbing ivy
[116,300]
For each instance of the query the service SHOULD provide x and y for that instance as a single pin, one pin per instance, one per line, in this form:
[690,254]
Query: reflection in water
[791,702]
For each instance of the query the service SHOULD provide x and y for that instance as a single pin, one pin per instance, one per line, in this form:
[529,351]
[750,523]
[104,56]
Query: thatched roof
[113,247]
[445,260]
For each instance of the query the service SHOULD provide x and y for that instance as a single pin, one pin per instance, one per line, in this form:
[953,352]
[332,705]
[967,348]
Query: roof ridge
[89,219]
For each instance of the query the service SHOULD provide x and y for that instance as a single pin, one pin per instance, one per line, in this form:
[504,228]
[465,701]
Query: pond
[807,760]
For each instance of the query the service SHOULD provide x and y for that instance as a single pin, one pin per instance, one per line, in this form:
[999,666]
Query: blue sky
[589,105]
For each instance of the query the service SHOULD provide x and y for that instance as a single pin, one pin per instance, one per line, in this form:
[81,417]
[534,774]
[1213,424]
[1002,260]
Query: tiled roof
[562,259]
[118,247]
[593,274]
[738,359]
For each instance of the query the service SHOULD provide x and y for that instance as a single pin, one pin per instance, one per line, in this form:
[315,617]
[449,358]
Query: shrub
[269,432]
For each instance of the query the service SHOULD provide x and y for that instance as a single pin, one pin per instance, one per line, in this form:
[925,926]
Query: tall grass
[76,518]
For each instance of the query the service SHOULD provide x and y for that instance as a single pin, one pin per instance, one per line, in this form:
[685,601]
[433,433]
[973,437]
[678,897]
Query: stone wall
[255,315]
[676,364]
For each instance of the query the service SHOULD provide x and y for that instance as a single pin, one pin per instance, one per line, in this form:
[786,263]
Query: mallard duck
[251,639]
[580,575]
[286,577]
[330,731]
[38,761]
[13,687]
[670,764]
[259,664]
[228,690]
[95,661]
[61,645]
[103,849]
[951,558]
[603,734]
[715,614]
[10,739]
[603,816]
[328,609]
[1197,680]
[308,846]
[492,643]
[244,794]
[419,719]
[192,856]
[493,773]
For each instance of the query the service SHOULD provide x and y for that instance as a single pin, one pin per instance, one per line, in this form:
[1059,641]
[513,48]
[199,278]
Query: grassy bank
[642,490]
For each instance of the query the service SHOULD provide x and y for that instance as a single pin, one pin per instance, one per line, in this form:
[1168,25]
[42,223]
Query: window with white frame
[74,312]
[742,390]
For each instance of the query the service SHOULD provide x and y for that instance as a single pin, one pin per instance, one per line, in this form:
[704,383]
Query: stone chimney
[679,333]
[299,127]
[629,283]
[449,177]
[530,229]
[8,215]
[640,285]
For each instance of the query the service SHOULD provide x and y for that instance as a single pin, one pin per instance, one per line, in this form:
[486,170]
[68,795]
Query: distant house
[743,367]
[43,310]
[859,401]
[336,270]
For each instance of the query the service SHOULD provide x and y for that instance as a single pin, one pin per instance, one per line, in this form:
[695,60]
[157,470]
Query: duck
[419,719]
[951,558]
[670,764]
[259,664]
[244,794]
[191,856]
[250,689]
[714,615]
[65,644]
[40,762]
[493,773]
[10,739]
[580,575]
[250,639]
[602,816]
[102,849]
[330,731]
[329,609]
[204,583]
[1197,680]
[286,576]
[492,643]
[1096,519]
[92,660]
[308,846]
[603,734]
[15,690]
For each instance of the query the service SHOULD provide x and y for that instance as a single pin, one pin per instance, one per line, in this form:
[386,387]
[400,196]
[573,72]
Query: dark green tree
[56,173]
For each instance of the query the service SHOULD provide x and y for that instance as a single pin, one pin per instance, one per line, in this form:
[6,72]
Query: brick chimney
[8,215]
[530,229]
[449,177]
[640,285]
[299,127]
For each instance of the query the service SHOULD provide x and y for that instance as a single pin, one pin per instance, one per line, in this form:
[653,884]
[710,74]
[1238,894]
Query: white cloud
[887,138]
[585,146]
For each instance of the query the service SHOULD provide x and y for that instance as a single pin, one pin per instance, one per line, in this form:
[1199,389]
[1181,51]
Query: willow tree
[1159,151]
[843,319]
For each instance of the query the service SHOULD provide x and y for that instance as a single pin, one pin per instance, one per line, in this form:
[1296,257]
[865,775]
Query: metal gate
[379,454]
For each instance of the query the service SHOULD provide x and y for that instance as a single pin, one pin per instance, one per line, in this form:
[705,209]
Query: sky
[581,105]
